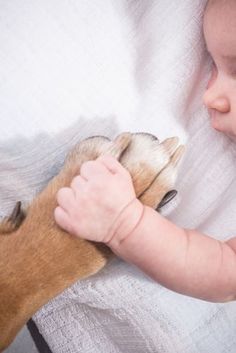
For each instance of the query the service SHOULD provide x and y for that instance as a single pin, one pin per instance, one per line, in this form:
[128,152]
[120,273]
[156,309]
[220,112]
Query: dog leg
[39,260]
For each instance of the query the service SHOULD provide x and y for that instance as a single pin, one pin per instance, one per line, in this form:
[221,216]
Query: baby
[183,260]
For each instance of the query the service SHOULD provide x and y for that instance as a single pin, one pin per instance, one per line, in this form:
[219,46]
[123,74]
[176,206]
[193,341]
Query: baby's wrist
[127,222]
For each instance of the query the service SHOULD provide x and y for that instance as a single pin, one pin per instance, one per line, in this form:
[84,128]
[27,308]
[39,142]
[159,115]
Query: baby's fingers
[112,164]
[91,169]
[65,198]
[78,183]
[62,219]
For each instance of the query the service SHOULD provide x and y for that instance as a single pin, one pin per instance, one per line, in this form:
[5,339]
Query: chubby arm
[182,260]
[101,205]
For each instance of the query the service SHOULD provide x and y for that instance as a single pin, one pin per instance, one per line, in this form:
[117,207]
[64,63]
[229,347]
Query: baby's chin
[218,124]
[232,137]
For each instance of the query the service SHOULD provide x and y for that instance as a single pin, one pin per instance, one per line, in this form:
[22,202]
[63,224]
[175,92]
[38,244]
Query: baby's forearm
[182,260]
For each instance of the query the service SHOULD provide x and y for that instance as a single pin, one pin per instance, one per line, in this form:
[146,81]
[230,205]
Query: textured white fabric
[73,68]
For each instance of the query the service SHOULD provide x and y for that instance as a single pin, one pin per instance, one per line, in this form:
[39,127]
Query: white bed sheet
[73,68]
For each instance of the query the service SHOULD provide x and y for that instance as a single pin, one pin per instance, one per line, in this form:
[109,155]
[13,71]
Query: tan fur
[38,260]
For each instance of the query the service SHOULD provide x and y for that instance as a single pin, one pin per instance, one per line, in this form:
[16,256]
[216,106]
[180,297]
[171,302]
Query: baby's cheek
[234,127]
[213,77]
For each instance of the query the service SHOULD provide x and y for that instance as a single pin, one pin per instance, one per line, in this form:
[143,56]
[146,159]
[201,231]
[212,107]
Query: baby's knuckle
[75,181]
[97,183]
[60,196]
[86,166]
[125,172]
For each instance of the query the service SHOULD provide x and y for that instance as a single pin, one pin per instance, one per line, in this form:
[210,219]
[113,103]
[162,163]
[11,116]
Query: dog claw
[170,144]
[15,213]
[167,198]
[11,223]
[175,158]
[148,135]
[120,144]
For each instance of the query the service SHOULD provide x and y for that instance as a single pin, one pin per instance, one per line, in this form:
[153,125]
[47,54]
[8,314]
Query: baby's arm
[182,260]
[101,206]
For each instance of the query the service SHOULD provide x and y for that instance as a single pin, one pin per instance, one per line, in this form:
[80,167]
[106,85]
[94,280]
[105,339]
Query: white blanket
[74,68]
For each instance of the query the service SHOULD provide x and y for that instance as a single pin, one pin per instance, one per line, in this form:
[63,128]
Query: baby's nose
[215,101]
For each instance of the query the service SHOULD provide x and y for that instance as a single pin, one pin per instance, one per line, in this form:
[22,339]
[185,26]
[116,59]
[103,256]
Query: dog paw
[161,190]
[11,223]
[153,167]
[95,146]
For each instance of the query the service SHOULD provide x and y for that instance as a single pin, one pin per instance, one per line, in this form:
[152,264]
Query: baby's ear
[11,223]
[167,198]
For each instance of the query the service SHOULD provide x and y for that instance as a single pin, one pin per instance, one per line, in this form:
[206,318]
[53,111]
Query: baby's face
[220,35]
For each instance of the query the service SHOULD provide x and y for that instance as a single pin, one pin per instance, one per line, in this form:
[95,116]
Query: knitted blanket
[74,68]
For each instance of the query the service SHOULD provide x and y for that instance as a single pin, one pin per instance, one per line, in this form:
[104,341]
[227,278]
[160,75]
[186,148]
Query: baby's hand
[100,203]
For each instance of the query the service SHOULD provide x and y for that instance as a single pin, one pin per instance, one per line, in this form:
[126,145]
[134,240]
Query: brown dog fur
[38,260]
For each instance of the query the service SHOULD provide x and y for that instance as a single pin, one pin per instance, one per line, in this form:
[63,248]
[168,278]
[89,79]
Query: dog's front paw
[161,190]
[152,164]
[153,167]
[11,223]
[95,146]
